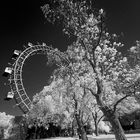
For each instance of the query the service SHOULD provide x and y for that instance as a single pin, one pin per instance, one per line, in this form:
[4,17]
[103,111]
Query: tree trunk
[96,129]
[115,123]
[117,128]
[81,128]
[73,125]
[112,117]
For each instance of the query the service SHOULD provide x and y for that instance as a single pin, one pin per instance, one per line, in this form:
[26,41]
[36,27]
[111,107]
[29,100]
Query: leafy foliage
[6,124]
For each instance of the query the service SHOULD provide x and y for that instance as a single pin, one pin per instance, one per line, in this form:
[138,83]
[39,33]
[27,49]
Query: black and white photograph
[70,70]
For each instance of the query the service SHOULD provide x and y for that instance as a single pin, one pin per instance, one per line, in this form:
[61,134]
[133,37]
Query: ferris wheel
[14,73]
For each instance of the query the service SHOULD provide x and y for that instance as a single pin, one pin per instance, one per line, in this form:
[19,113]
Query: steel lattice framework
[15,78]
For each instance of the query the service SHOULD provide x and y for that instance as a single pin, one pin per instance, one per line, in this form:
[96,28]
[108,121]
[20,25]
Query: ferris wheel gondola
[7,71]
[10,95]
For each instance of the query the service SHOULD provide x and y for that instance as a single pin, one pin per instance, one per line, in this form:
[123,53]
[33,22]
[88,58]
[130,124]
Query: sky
[23,21]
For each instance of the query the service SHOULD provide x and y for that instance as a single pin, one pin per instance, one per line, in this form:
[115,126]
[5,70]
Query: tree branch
[100,34]
[86,120]
[115,106]
[100,119]
[94,117]
[91,92]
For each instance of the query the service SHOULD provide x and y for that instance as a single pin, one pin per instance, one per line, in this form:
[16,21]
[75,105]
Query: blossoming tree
[70,101]
[94,59]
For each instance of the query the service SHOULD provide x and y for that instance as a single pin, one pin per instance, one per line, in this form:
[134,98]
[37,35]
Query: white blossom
[133,49]
[101,11]
[98,49]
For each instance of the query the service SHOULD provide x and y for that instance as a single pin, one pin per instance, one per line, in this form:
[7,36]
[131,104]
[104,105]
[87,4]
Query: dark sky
[22,22]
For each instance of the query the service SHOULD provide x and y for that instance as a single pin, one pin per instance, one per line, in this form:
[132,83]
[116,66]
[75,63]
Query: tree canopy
[94,61]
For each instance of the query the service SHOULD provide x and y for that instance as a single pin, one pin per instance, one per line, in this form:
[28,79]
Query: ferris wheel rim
[15,79]
[17,72]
